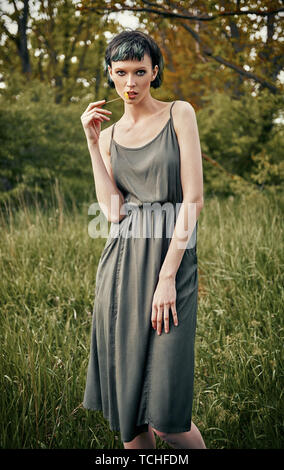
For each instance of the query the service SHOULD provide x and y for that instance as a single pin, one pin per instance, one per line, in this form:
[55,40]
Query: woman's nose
[130,80]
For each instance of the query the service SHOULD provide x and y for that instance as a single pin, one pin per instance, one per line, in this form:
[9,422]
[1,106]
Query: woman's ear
[155,72]
[109,70]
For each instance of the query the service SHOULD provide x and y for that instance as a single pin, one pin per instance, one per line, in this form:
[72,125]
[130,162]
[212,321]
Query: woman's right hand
[91,120]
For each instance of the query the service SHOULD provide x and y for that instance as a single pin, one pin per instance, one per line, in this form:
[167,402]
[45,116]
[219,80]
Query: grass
[48,268]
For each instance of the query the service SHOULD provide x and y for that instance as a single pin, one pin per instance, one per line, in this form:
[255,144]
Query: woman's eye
[121,71]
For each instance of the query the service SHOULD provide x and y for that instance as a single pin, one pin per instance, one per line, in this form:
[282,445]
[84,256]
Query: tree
[56,43]
[226,32]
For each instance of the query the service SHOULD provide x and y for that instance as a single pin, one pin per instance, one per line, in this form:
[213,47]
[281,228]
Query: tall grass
[48,268]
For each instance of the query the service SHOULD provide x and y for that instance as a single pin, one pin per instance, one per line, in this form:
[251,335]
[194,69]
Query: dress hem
[149,421]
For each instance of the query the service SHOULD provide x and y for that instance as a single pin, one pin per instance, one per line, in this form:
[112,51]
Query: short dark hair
[132,45]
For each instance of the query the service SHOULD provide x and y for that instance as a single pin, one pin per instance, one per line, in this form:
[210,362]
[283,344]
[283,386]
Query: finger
[95,103]
[166,318]
[159,319]
[89,119]
[103,118]
[98,111]
[91,107]
[174,312]
[101,110]
[154,317]
[97,116]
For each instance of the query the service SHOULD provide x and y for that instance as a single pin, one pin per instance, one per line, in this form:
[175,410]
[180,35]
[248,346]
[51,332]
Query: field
[48,268]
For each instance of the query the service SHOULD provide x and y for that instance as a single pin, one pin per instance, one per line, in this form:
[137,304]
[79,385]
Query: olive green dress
[135,376]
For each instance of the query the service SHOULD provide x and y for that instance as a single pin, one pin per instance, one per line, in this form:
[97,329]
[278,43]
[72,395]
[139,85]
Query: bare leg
[145,440]
[183,440]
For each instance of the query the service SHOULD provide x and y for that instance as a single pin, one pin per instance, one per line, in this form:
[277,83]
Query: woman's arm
[192,185]
[164,298]
[108,195]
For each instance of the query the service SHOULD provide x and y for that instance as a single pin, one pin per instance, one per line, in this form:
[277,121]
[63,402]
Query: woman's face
[133,75]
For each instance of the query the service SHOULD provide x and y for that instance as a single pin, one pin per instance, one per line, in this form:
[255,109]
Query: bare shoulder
[183,105]
[104,144]
[183,116]
[104,141]
[183,109]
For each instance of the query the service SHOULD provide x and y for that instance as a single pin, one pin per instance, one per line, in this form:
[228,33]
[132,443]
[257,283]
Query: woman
[140,377]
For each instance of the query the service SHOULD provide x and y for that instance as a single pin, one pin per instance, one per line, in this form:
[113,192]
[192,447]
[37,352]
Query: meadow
[48,268]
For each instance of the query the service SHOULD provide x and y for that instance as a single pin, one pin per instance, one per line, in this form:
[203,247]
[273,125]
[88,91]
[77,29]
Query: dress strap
[112,130]
[171,109]
[111,137]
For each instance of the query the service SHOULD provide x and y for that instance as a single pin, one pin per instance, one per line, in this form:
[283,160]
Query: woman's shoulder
[183,114]
[105,138]
[183,105]
[182,111]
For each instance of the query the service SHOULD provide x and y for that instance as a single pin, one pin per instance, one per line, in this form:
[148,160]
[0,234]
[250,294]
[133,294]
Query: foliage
[42,142]
[245,136]
[59,47]
[210,46]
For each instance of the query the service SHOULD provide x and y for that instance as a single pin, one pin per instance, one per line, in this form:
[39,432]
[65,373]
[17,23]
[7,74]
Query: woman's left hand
[164,300]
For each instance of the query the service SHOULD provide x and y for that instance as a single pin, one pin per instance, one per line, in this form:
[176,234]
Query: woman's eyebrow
[138,68]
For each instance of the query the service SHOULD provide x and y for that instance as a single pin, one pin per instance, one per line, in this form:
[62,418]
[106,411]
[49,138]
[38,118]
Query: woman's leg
[145,440]
[183,440]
